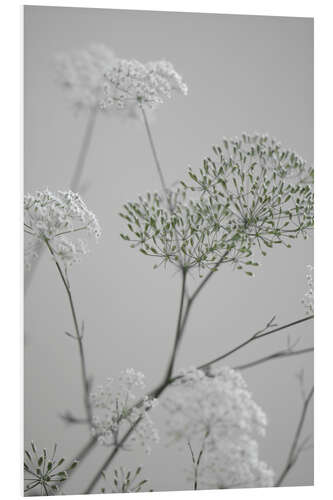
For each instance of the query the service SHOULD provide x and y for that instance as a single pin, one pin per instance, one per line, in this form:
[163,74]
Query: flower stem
[85,380]
[165,383]
[77,175]
[157,162]
[179,329]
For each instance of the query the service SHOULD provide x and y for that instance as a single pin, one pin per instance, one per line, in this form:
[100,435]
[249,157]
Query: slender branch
[256,336]
[111,457]
[208,276]
[166,382]
[85,380]
[276,355]
[295,448]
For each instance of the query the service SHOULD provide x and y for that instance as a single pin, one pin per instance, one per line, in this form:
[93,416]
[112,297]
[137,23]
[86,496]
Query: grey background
[244,74]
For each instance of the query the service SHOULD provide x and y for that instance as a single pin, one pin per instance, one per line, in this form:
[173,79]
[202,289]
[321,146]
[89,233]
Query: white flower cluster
[81,74]
[308,299]
[56,219]
[116,401]
[218,410]
[236,464]
[149,84]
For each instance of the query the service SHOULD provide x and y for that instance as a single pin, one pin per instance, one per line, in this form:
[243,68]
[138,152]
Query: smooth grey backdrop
[244,74]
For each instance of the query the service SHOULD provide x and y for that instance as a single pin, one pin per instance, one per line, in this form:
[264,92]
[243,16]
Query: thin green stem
[85,380]
[209,275]
[74,184]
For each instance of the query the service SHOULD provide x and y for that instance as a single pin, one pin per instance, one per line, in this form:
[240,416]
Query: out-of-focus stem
[74,185]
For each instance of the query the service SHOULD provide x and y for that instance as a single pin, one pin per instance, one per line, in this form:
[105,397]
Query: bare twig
[277,355]
[256,336]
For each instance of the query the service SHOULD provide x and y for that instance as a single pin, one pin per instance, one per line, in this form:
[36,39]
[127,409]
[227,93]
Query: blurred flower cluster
[125,481]
[253,195]
[145,84]
[81,74]
[308,299]
[55,219]
[218,411]
[120,408]
[96,79]
[42,471]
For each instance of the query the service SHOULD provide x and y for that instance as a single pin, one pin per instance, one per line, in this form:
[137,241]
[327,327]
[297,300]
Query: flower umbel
[149,84]
[116,401]
[125,481]
[42,470]
[56,219]
[257,192]
[218,410]
[81,74]
[253,195]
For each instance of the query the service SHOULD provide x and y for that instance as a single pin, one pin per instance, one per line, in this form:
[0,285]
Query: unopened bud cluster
[252,195]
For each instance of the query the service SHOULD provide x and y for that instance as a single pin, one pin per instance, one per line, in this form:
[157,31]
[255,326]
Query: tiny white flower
[59,220]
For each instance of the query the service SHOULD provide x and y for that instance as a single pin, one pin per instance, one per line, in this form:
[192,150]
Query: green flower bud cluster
[251,195]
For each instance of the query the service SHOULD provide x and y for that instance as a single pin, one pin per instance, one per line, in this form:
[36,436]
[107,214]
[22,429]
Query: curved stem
[78,334]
